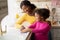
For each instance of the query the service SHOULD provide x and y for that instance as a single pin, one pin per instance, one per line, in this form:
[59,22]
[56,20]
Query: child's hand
[24,31]
[22,27]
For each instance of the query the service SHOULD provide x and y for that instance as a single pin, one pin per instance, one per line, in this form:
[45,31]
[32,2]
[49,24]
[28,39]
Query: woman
[28,16]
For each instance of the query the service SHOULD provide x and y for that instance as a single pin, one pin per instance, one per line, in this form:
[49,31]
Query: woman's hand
[22,27]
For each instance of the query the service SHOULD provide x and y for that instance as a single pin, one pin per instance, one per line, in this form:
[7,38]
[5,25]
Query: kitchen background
[7,9]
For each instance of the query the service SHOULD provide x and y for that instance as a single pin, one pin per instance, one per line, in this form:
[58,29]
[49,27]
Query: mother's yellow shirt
[25,17]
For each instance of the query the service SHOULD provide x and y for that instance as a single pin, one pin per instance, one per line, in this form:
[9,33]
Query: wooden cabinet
[55,33]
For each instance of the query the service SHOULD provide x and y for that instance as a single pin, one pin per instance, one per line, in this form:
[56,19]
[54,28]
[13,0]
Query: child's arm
[26,30]
[30,28]
[43,29]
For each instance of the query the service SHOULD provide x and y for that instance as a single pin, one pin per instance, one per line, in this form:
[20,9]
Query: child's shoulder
[49,22]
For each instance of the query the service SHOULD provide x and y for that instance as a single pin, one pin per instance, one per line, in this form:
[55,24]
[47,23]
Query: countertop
[55,26]
[13,34]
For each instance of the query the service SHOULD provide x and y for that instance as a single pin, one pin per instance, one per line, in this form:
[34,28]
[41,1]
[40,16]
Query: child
[41,27]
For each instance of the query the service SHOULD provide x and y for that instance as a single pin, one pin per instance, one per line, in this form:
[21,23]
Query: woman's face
[26,9]
[38,17]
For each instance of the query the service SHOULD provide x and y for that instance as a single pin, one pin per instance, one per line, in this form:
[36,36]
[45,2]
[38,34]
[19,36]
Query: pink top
[41,30]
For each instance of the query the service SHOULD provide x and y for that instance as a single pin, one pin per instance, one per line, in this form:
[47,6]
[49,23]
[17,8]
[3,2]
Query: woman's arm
[20,21]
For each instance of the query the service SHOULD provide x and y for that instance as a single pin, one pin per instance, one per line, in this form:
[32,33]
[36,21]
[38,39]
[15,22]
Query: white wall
[14,7]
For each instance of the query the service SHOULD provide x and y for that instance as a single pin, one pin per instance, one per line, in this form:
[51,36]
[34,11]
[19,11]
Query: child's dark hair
[25,2]
[45,13]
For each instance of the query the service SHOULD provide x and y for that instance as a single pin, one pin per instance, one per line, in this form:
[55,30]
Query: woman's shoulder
[24,14]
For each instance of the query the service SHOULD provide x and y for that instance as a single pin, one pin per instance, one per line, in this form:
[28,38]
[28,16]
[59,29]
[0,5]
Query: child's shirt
[41,30]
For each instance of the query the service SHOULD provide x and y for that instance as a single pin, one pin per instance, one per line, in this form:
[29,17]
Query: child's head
[26,6]
[42,14]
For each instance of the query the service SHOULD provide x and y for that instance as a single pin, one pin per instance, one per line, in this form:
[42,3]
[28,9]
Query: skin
[27,10]
[38,17]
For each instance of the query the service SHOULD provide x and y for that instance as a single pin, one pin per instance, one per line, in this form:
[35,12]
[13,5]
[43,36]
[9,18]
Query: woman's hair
[25,2]
[45,13]
[32,6]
